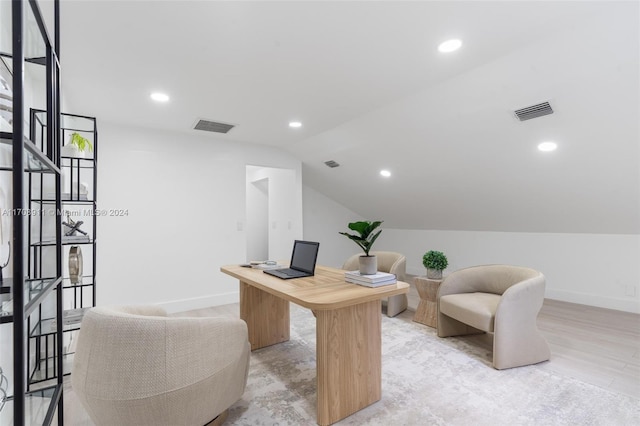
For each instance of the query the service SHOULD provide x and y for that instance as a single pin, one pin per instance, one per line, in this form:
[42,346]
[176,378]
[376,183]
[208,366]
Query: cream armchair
[136,366]
[499,299]
[393,263]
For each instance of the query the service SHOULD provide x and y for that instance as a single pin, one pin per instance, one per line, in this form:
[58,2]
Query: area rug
[425,381]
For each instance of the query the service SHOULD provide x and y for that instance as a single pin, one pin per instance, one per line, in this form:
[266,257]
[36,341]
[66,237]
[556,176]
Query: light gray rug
[425,381]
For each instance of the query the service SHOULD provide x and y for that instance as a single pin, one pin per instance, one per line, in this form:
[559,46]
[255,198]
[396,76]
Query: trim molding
[200,302]
[626,305]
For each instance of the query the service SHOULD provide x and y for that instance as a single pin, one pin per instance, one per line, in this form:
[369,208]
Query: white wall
[257,215]
[323,219]
[284,210]
[592,269]
[185,200]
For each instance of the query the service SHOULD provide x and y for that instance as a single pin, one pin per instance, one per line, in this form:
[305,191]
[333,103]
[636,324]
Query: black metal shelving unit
[32,60]
[78,173]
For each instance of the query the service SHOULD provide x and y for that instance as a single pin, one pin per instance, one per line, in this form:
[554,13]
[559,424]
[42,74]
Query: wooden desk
[348,330]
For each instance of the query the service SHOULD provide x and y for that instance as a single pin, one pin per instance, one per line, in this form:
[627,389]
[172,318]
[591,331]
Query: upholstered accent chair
[137,366]
[393,263]
[501,299]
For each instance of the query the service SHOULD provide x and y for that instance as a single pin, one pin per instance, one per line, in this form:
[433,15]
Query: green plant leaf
[81,142]
[359,227]
[435,260]
[364,228]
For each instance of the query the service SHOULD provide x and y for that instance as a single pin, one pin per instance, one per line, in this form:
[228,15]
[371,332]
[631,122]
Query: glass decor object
[6,97]
[75,265]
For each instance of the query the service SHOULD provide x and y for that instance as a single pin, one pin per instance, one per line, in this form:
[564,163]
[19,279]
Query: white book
[367,284]
[264,266]
[377,277]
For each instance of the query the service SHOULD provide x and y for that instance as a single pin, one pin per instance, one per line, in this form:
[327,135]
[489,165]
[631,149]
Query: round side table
[427,311]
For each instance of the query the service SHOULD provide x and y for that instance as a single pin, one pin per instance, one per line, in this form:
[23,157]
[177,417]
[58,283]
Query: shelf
[63,200]
[44,373]
[37,150]
[35,291]
[87,281]
[35,160]
[72,318]
[64,157]
[64,243]
[40,406]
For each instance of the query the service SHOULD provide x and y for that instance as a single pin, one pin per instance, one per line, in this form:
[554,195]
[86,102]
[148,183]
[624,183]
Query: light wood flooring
[595,345]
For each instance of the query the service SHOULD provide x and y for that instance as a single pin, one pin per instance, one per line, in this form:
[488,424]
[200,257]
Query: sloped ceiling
[372,92]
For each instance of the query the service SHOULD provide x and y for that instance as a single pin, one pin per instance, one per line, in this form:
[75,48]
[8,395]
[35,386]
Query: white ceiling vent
[534,111]
[213,126]
[331,164]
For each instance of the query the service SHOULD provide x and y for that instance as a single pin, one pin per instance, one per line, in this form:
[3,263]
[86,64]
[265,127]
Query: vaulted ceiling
[372,91]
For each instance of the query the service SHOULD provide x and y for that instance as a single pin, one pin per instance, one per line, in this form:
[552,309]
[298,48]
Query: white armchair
[136,366]
[499,299]
[393,263]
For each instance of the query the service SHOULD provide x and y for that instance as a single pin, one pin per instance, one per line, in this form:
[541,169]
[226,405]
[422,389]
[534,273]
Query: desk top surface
[327,289]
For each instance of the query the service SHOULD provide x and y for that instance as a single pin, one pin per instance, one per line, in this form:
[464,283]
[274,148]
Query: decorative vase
[75,265]
[368,265]
[434,274]
[71,150]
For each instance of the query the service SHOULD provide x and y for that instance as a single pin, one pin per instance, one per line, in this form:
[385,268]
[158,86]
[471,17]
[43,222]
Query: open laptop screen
[304,256]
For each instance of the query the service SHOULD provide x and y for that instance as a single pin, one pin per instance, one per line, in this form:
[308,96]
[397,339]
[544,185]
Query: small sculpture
[73,226]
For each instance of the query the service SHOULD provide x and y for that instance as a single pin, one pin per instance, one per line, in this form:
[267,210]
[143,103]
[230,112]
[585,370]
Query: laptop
[303,261]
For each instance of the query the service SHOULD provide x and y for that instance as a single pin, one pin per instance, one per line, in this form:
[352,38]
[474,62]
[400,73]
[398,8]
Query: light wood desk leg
[349,354]
[267,316]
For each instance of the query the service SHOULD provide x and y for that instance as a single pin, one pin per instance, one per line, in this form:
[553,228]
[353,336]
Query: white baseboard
[626,305]
[200,302]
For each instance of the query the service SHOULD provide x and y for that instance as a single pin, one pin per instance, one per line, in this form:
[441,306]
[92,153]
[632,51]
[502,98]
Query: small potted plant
[435,262]
[365,238]
[76,146]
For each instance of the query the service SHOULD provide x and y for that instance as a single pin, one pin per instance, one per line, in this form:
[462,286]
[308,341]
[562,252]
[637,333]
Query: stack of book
[376,280]
[265,264]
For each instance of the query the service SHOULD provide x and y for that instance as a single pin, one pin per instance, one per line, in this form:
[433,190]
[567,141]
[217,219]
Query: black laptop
[303,261]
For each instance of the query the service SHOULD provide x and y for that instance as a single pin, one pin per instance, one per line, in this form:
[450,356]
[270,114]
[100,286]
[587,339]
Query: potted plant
[365,238]
[435,262]
[76,146]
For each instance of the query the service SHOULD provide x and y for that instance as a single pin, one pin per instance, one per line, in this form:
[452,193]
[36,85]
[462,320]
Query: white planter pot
[434,274]
[71,150]
[368,265]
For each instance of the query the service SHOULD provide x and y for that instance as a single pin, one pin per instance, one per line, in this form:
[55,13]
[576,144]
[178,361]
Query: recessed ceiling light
[385,173]
[450,46]
[295,124]
[160,97]
[547,146]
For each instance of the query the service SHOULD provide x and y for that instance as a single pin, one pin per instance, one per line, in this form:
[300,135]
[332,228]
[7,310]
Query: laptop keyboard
[292,273]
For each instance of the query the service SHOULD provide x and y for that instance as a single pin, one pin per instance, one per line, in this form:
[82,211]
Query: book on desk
[376,280]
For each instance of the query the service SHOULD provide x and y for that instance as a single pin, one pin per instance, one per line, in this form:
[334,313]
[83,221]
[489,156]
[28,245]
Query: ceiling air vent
[331,164]
[213,126]
[534,111]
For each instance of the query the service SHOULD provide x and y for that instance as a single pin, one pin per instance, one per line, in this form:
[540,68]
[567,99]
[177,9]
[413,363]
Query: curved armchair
[136,366]
[393,263]
[499,299]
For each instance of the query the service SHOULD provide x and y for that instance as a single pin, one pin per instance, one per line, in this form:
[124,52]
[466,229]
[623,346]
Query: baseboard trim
[200,302]
[632,306]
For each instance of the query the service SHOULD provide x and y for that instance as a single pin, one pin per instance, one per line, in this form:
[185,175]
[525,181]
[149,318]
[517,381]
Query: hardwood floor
[598,346]
[595,345]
